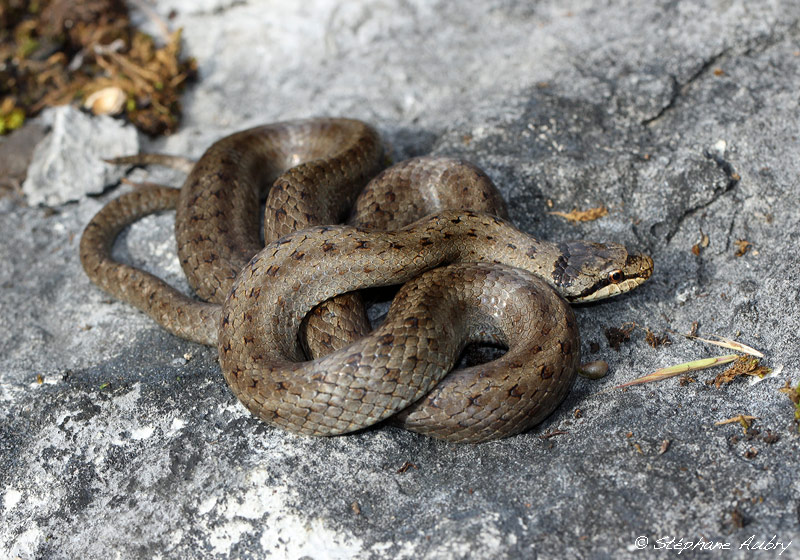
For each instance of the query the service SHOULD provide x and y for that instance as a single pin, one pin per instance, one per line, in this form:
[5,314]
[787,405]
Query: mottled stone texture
[680,117]
[68,164]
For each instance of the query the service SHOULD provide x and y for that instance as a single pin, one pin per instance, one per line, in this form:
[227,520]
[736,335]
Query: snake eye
[616,276]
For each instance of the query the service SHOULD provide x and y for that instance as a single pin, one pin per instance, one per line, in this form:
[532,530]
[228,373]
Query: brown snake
[486,282]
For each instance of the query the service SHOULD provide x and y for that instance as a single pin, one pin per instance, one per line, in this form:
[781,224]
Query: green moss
[12,120]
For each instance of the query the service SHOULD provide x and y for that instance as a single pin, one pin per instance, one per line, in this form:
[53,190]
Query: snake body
[293,337]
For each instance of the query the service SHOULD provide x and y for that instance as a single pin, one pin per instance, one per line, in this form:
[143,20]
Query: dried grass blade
[672,371]
[730,344]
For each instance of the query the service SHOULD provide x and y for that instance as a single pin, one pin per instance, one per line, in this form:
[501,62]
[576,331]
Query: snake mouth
[638,268]
[610,290]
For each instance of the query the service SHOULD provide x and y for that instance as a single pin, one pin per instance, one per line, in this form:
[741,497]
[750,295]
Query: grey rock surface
[68,164]
[16,152]
[680,117]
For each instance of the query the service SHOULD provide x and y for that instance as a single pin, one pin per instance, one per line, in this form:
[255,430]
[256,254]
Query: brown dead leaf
[742,246]
[582,215]
[744,365]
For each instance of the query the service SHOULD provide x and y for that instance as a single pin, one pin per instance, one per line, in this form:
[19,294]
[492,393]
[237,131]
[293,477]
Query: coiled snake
[301,360]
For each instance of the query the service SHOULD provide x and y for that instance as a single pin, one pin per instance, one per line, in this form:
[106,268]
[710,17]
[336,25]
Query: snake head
[592,271]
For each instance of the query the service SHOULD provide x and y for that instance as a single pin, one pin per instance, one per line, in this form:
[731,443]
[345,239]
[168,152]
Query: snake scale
[294,341]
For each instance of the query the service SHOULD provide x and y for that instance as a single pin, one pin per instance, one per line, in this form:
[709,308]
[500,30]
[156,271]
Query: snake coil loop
[294,339]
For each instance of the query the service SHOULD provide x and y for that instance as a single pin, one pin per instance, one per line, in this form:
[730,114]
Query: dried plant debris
[794,395]
[655,340]
[582,215]
[672,371]
[749,365]
[742,246]
[405,466]
[743,420]
[770,438]
[744,365]
[553,433]
[700,245]
[616,336]
[728,343]
[738,520]
[54,52]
